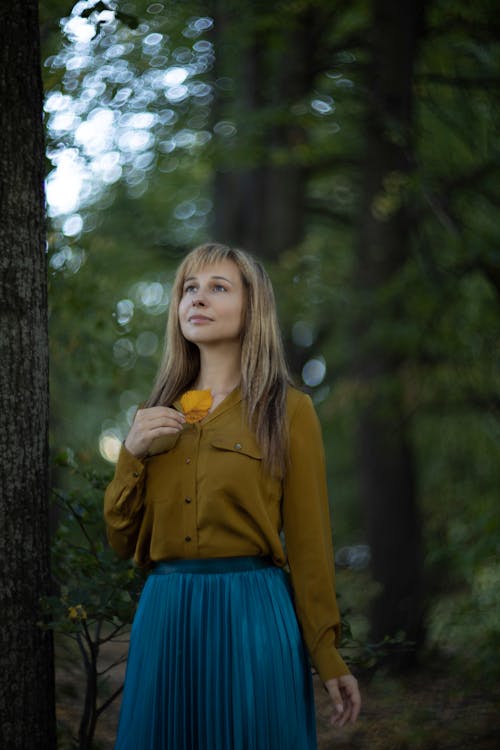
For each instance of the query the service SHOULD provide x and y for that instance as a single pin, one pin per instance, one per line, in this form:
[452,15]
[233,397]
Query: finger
[352,700]
[167,411]
[336,717]
[160,412]
[156,423]
[346,713]
[356,706]
[151,421]
[336,698]
[162,430]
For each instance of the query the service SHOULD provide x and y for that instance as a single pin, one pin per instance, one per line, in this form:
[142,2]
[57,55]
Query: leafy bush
[95,592]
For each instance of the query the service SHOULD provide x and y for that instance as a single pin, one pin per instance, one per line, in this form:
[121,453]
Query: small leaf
[196,405]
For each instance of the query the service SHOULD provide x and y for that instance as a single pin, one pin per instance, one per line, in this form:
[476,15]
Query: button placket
[189,487]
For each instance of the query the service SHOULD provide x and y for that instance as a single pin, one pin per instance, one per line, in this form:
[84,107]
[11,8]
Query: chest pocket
[244,445]
[237,460]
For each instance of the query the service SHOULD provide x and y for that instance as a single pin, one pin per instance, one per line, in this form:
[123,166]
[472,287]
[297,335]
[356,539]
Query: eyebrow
[192,278]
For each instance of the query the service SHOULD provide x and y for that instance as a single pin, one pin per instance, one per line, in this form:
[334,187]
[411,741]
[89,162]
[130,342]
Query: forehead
[222,268]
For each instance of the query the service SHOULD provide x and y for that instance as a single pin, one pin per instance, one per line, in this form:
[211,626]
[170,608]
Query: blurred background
[354,148]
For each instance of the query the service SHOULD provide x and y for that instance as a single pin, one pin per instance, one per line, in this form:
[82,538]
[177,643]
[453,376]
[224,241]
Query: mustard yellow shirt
[208,495]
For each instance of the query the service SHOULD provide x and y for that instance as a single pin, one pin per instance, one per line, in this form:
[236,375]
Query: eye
[219,288]
[189,288]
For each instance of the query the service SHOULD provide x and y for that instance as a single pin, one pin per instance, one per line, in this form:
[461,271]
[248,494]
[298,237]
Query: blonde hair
[264,373]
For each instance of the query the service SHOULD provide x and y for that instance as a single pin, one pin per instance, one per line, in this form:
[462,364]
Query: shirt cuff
[129,472]
[128,468]
[330,664]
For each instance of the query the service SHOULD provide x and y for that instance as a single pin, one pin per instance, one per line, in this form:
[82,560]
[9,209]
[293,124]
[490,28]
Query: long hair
[264,373]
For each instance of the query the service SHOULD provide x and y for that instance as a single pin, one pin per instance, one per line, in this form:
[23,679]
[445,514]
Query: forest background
[352,146]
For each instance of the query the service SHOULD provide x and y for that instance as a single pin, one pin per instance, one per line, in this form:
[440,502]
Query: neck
[220,369]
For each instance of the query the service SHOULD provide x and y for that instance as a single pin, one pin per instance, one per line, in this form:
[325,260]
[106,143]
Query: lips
[199,319]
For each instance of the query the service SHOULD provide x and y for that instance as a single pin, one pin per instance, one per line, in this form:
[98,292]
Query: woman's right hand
[151,423]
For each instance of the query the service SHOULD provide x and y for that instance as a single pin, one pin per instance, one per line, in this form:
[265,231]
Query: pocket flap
[237,445]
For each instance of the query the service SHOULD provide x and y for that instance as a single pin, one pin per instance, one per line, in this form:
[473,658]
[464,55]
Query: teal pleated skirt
[217,661]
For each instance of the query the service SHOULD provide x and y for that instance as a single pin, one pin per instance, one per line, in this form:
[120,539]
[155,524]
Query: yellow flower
[196,405]
[77,612]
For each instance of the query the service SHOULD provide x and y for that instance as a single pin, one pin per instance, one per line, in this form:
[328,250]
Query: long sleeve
[306,524]
[124,504]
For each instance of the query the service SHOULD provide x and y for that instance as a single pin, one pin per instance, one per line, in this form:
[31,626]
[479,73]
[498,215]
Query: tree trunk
[386,461]
[26,653]
[259,187]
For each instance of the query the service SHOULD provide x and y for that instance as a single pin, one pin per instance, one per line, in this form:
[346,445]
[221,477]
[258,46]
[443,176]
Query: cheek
[240,316]
[243,309]
[181,315]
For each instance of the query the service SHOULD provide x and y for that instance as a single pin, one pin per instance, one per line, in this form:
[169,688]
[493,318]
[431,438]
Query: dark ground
[433,709]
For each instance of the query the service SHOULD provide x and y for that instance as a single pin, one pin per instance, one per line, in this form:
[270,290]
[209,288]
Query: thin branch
[79,521]
[109,701]
[85,656]
[90,642]
[113,633]
[116,629]
[97,634]
[116,663]
[441,210]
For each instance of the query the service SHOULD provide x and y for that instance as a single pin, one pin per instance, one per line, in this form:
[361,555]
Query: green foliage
[466,625]
[438,315]
[96,593]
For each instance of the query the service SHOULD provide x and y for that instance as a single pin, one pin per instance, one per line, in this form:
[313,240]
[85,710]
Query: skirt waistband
[212,565]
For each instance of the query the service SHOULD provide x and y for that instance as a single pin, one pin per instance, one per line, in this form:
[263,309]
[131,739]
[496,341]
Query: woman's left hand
[346,699]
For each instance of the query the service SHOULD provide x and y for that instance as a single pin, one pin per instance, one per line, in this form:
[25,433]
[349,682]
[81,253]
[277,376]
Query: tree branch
[116,663]
[110,700]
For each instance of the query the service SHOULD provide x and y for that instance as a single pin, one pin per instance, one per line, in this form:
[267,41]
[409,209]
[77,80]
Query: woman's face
[212,306]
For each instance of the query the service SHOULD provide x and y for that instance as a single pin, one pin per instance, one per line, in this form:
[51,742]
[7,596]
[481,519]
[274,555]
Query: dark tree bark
[259,186]
[27,718]
[386,461]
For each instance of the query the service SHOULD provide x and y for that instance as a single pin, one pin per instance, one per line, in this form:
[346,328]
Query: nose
[198,300]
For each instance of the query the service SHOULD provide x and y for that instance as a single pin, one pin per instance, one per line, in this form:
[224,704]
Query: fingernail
[339,708]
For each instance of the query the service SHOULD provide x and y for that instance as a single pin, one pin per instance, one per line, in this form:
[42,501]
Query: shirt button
[237,446]
[188,460]
[187,539]
[187,499]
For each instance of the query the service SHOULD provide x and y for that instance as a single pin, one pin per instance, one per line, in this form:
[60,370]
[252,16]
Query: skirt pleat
[217,661]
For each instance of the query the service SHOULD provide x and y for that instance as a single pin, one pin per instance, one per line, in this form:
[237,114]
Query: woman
[224,456]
